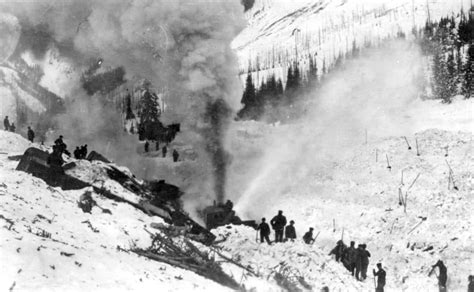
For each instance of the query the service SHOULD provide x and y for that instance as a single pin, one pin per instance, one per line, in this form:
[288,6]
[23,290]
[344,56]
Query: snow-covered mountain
[281,32]
[23,99]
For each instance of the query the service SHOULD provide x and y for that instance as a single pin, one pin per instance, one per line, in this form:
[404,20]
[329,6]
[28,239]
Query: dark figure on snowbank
[264,231]
[157,145]
[86,202]
[56,161]
[164,150]
[12,128]
[470,285]
[278,224]
[31,135]
[147,146]
[339,250]
[6,124]
[443,275]
[175,155]
[77,153]
[61,146]
[349,260]
[290,232]
[308,236]
[362,262]
[84,151]
[380,274]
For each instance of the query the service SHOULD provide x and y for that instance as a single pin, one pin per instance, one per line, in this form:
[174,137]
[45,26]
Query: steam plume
[181,45]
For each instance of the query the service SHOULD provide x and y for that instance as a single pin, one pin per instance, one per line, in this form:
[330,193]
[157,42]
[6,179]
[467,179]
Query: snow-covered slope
[309,172]
[280,32]
[83,252]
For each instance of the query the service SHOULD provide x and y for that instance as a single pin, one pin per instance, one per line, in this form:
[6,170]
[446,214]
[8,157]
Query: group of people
[8,127]
[80,152]
[12,128]
[356,260]
[164,150]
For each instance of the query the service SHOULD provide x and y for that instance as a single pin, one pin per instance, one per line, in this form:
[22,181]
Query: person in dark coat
[31,135]
[164,150]
[60,144]
[290,232]
[470,286]
[278,224]
[264,231]
[358,262]
[12,128]
[443,275]
[380,274]
[308,236]
[77,153]
[56,161]
[147,146]
[6,124]
[339,250]
[157,145]
[349,260]
[175,155]
[365,255]
[84,151]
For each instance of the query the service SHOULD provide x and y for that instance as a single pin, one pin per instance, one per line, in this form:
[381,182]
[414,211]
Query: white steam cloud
[369,93]
[181,45]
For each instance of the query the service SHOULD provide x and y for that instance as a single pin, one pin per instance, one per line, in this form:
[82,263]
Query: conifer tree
[149,116]
[129,112]
[468,84]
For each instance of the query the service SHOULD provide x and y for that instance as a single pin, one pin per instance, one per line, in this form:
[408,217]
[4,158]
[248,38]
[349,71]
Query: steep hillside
[281,32]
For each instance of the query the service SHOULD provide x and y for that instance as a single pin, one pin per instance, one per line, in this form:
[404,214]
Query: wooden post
[408,144]
[417,148]
[333,225]
[388,163]
[446,154]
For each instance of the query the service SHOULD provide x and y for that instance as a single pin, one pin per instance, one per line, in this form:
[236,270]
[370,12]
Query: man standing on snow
[278,223]
[31,135]
[365,255]
[6,124]
[175,155]
[264,231]
[470,287]
[443,275]
[290,232]
[308,236]
[358,262]
[339,250]
[350,258]
[163,151]
[380,274]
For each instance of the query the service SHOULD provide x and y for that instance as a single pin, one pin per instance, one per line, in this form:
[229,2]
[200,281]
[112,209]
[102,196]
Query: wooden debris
[185,255]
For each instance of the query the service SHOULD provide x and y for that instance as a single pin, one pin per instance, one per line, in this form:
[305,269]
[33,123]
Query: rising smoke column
[217,114]
[182,45]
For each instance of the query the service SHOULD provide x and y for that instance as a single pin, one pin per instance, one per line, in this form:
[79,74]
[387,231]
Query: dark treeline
[448,46]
